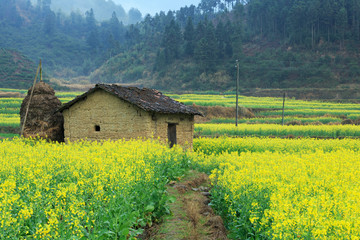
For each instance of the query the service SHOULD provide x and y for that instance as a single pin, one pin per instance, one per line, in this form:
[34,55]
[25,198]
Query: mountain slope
[64,43]
[262,65]
[16,71]
[102,9]
[196,47]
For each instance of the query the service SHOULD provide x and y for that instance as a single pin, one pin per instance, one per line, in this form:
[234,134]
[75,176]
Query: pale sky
[155,6]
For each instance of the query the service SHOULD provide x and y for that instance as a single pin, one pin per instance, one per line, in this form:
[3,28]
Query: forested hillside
[18,72]
[15,70]
[70,45]
[279,44]
[102,9]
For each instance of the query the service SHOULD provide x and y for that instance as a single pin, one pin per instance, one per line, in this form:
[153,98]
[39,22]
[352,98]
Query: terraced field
[264,186]
[266,110]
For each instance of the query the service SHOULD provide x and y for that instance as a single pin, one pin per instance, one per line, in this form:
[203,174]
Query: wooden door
[172,134]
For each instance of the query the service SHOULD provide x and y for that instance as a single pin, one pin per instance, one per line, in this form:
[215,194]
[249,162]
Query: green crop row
[243,130]
[278,120]
[260,102]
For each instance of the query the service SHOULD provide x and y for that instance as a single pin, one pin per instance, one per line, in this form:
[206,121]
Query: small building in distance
[116,112]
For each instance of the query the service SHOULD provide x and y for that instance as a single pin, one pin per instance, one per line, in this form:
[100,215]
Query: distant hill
[103,9]
[196,48]
[68,45]
[308,45]
[16,70]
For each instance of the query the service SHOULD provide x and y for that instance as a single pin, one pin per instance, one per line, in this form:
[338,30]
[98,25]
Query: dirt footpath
[192,218]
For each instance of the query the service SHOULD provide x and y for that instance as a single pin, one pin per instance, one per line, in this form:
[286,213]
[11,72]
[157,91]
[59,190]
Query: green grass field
[276,130]
[8,135]
[272,107]
[267,111]
[277,120]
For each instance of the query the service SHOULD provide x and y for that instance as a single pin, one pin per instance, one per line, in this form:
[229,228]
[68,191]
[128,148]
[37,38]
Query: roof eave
[100,86]
[75,100]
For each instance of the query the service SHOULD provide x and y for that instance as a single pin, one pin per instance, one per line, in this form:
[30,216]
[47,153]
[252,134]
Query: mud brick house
[116,112]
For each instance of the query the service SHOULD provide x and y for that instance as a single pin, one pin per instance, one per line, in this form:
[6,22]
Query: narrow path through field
[192,218]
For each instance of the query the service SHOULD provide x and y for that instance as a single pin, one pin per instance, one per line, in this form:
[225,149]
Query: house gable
[149,100]
[101,115]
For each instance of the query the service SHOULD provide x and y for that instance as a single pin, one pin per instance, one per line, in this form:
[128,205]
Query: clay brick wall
[184,127]
[116,118]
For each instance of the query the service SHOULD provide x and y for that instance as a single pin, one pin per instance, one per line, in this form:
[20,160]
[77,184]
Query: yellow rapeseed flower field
[277,130]
[264,188]
[287,191]
[255,144]
[83,190]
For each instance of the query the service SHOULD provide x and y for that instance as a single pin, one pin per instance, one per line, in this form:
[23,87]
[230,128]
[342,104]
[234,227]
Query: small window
[97,128]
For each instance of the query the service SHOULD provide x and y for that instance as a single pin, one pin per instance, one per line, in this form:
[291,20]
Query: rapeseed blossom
[289,192]
[264,188]
[262,130]
[83,189]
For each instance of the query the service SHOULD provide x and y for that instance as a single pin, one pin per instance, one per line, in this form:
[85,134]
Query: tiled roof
[147,99]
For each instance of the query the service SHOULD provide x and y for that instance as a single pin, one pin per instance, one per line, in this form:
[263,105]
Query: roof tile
[144,98]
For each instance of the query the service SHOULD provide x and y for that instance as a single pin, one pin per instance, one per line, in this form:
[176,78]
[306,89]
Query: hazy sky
[154,6]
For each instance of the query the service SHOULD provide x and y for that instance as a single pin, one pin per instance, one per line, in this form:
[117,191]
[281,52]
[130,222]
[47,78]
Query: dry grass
[198,211]
[192,218]
[11,95]
[221,112]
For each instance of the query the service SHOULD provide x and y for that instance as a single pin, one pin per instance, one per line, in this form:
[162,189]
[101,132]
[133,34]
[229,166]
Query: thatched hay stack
[42,121]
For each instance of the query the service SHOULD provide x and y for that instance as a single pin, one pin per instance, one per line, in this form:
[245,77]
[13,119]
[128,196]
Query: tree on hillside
[160,61]
[151,35]
[184,14]
[171,41]
[132,35]
[93,41]
[208,6]
[93,34]
[205,51]
[115,27]
[135,16]
[227,39]
[341,21]
[9,13]
[220,40]
[49,23]
[200,31]
[90,20]
[189,37]
[114,46]
[75,25]
[112,35]
[229,2]
[235,47]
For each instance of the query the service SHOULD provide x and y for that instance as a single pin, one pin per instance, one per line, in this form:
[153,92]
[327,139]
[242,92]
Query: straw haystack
[42,121]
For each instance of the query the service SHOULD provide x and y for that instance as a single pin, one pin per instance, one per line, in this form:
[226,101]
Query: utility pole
[40,72]
[237,92]
[31,95]
[283,109]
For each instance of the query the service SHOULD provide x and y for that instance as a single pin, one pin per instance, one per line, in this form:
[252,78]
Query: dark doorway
[172,134]
[97,128]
